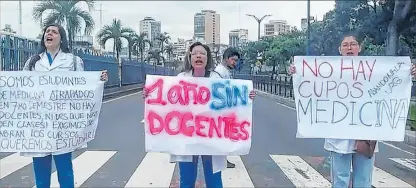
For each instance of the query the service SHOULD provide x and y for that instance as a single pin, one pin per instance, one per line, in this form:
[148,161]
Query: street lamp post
[259,21]
[309,28]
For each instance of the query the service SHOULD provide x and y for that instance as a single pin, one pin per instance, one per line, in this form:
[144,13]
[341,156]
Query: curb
[121,92]
[409,137]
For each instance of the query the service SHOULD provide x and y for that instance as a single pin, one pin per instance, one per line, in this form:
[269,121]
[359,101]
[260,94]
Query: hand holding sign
[198,116]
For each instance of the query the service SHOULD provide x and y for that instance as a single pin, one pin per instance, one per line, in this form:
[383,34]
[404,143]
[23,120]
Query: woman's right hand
[145,93]
[292,69]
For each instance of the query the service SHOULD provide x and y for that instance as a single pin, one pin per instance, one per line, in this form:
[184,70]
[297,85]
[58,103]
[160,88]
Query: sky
[177,16]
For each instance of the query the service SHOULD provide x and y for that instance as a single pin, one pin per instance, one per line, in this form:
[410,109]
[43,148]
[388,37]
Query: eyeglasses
[352,44]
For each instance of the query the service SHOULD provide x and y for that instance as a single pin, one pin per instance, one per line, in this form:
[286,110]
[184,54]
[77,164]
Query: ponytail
[33,61]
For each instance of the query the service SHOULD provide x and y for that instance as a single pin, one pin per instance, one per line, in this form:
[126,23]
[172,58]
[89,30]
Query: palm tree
[169,51]
[139,44]
[157,55]
[67,14]
[216,49]
[115,31]
[163,38]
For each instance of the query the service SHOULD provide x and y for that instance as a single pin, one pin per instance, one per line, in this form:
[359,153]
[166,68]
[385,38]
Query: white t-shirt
[224,71]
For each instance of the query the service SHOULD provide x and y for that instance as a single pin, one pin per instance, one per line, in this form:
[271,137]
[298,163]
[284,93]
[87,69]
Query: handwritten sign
[198,116]
[360,97]
[48,111]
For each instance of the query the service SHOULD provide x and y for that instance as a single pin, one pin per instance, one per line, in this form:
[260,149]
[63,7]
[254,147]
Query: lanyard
[50,57]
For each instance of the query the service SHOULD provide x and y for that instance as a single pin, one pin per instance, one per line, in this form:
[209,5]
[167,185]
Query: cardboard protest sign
[198,116]
[48,111]
[363,97]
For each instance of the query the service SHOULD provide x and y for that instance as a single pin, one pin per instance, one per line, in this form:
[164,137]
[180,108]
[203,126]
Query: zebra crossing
[154,170]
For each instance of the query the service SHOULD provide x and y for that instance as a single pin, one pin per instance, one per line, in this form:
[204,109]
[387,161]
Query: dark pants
[43,169]
[189,170]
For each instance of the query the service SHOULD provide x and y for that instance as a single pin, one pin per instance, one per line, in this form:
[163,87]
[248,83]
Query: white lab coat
[63,62]
[224,71]
[219,162]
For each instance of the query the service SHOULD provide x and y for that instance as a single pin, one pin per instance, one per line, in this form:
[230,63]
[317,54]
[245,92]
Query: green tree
[139,44]
[163,39]
[116,32]
[66,13]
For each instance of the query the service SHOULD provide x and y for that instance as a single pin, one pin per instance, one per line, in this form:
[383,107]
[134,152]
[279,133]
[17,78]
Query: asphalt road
[113,157]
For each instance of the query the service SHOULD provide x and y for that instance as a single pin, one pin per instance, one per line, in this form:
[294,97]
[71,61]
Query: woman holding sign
[199,63]
[54,55]
[344,154]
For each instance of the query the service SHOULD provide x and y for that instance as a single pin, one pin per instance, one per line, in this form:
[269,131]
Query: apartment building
[276,27]
[207,27]
[237,37]
[152,28]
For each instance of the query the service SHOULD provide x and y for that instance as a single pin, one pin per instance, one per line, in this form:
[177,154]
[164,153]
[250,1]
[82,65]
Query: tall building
[152,28]
[237,37]
[179,49]
[207,27]
[276,27]
[8,28]
[304,22]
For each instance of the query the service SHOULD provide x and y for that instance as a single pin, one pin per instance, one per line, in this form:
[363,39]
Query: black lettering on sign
[389,79]
[61,80]
[35,118]
[327,111]
[66,95]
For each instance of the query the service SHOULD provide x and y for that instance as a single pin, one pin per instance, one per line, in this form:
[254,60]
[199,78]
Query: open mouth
[49,39]
[199,62]
[350,53]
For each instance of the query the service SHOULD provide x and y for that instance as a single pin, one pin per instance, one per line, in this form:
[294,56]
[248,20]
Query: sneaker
[230,165]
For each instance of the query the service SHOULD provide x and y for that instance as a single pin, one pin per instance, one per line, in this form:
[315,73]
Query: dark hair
[42,48]
[230,52]
[187,63]
[353,34]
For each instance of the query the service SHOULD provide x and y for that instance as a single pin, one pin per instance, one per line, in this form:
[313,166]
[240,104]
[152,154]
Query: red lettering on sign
[314,71]
[347,68]
[199,125]
[158,85]
[179,93]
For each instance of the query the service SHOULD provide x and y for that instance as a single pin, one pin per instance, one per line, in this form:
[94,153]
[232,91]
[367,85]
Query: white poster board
[48,111]
[198,116]
[364,97]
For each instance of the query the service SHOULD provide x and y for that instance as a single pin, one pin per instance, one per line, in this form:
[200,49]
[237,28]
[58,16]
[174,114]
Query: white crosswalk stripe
[12,163]
[155,170]
[85,165]
[300,172]
[237,177]
[409,163]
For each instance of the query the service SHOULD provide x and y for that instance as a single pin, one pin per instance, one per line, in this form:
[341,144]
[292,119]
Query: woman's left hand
[413,70]
[104,76]
[252,94]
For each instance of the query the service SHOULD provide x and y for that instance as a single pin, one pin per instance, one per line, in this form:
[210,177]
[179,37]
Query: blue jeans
[362,170]
[42,167]
[188,173]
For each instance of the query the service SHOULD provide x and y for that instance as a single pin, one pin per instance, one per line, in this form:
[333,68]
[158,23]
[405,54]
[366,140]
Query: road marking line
[299,172]
[111,100]
[409,163]
[395,147]
[85,165]
[13,163]
[155,170]
[384,179]
[238,176]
